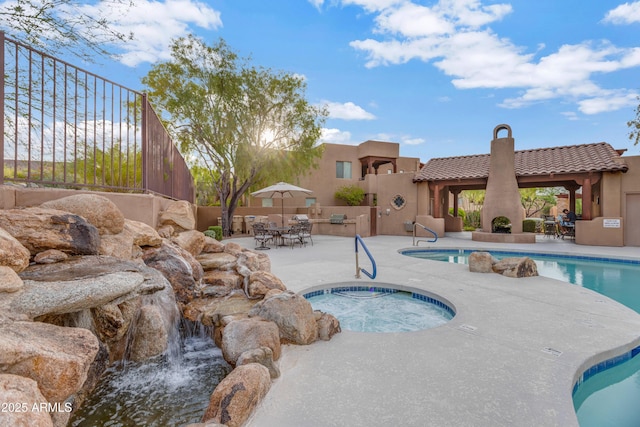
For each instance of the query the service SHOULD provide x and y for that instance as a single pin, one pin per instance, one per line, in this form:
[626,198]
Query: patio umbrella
[281,191]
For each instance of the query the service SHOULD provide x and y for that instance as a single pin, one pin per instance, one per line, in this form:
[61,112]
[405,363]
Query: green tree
[535,200]
[61,27]
[118,166]
[352,194]
[245,125]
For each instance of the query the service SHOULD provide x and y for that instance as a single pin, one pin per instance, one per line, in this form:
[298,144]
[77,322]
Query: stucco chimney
[502,197]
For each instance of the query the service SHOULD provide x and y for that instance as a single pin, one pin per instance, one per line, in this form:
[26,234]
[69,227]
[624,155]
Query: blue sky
[434,76]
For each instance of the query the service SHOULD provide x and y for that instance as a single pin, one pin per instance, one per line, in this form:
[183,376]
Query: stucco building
[401,190]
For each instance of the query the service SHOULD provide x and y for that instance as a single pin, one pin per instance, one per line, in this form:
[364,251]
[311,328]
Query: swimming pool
[380,308]
[610,392]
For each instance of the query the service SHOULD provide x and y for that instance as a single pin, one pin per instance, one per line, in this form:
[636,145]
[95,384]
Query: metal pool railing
[371,275]
[415,242]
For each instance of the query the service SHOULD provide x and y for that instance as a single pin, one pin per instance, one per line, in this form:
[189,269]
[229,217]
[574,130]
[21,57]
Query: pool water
[366,311]
[619,281]
[611,397]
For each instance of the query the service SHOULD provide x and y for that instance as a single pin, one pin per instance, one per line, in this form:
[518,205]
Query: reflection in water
[612,397]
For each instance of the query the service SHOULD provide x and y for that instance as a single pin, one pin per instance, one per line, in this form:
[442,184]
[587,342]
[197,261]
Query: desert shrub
[214,231]
[473,220]
[461,213]
[352,194]
[529,226]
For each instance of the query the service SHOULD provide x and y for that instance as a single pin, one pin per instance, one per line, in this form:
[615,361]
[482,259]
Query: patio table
[277,233]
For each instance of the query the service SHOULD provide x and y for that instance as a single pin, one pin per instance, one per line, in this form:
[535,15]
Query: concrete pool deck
[510,356]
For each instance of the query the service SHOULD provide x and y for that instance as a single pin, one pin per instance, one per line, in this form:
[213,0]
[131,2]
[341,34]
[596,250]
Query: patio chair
[305,232]
[261,236]
[550,229]
[292,236]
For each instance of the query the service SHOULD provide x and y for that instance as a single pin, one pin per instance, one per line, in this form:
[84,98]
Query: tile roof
[598,157]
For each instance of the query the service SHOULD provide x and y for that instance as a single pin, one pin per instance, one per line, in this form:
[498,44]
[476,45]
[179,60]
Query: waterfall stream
[168,390]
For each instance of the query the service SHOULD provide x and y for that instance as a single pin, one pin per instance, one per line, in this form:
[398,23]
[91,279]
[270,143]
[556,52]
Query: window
[267,203]
[343,170]
[398,201]
[309,201]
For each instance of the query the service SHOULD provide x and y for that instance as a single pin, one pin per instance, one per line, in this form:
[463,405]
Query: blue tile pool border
[411,252]
[604,365]
[379,289]
[595,369]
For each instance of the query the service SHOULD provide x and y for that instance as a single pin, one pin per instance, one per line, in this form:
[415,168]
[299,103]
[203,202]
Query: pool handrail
[415,242]
[371,275]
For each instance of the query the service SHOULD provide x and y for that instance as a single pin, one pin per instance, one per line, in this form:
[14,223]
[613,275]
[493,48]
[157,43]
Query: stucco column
[423,198]
[445,201]
[586,198]
[455,202]
[437,209]
[572,200]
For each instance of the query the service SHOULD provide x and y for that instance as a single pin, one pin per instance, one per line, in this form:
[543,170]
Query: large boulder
[192,241]
[57,358]
[81,283]
[261,282]
[481,262]
[516,267]
[150,337]
[220,283]
[196,268]
[212,245]
[12,253]
[292,313]
[19,395]
[39,229]
[9,280]
[263,356]
[217,260]
[143,234]
[179,214]
[98,210]
[235,398]
[117,245]
[50,256]
[246,334]
[45,298]
[112,322]
[328,325]
[168,259]
[211,311]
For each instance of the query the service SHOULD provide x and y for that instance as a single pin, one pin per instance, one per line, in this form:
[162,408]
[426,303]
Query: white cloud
[570,115]
[454,36]
[317,3]
[412,141]
[347,111]
[608,102]
[413,20]
[336,136]
[626,13]
[153,24]
[372,5]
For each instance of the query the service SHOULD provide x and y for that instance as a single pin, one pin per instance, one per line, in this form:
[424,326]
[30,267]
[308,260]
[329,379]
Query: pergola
[571,167]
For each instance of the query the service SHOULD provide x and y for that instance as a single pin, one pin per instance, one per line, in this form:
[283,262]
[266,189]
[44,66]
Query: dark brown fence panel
[166,170]
[67,127]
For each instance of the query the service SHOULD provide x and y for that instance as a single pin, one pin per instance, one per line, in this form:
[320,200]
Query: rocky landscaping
[484,262]
[82,287]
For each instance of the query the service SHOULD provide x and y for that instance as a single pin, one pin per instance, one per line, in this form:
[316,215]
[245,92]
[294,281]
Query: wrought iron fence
[66,127]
